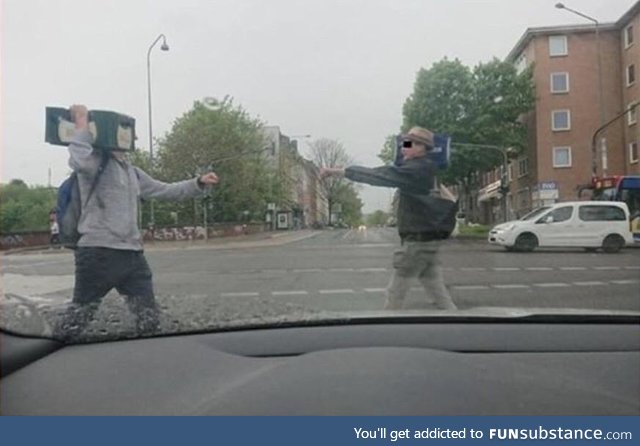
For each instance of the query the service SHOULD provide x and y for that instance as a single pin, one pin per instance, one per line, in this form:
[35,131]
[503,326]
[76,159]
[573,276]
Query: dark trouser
[98,271]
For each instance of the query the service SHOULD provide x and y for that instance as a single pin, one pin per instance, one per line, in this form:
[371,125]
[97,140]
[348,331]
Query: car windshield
[189,166]
[536,212]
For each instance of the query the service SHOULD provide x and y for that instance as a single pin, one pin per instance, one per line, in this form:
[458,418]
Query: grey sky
[335,69]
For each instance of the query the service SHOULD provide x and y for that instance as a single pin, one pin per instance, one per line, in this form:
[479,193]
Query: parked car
[584,224]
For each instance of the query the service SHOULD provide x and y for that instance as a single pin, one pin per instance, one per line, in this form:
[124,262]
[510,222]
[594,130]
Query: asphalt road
[328,271]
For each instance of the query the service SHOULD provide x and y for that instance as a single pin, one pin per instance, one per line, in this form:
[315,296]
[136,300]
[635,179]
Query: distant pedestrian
[423,219]
[54,229]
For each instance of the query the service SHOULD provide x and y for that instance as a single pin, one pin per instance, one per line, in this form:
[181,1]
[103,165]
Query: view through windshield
[172,167]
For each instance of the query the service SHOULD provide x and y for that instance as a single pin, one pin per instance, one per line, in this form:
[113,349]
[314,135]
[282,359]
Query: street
[347,270]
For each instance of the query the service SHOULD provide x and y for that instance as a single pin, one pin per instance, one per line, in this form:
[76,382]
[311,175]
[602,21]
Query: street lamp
[594,156]
[164,47]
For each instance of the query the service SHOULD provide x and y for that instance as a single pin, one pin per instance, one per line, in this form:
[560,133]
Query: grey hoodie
[109,219]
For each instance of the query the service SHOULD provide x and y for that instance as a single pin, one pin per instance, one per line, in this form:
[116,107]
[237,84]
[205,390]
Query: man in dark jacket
[420,218]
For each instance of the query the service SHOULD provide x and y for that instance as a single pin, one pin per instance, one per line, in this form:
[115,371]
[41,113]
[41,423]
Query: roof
[531,33]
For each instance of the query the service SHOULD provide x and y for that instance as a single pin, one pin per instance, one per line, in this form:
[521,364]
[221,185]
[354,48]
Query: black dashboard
[364,369]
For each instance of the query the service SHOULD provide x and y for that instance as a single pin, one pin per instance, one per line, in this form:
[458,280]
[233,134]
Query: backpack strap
[103,164]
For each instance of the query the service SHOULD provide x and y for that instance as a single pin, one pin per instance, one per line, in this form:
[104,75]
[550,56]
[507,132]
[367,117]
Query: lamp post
[505,166]
[594,155]
[164,47]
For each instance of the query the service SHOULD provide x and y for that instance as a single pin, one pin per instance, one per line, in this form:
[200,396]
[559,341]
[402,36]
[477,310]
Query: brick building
[559,157]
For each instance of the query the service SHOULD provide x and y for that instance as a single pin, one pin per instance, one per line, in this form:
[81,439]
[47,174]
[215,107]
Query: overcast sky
[334,69]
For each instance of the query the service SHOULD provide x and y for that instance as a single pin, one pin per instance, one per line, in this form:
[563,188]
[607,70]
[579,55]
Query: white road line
[470,287]
[279,271]
[289,293]
[307,270]
[375,290]
[510,286]
[29,265]
[336,291]
[473,269]
[573,268]
[551,285]
[372,270]
[591,283]
[539,268]
[506,269]
[340,270]
[247,294]
[344,237]
[607,268]
[625,282]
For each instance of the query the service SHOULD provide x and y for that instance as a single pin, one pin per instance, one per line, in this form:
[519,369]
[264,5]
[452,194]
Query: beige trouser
[419,260]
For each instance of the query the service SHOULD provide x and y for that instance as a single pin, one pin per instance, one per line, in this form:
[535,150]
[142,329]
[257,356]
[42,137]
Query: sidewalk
[232,242]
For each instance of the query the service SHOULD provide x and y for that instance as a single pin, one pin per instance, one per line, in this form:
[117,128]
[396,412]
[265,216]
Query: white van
[582,224]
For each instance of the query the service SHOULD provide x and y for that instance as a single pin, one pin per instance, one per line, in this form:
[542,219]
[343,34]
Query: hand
[80,116]
[208,179]
[329,171]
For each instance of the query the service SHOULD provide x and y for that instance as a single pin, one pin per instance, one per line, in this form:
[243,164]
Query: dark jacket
[419,210]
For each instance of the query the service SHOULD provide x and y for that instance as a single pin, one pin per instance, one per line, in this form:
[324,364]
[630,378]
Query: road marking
[278,271]
[372,270]
[506,269]
[573,268]
[510,286]
[344,237]
[336,291]
[473,269]
[29,265]
[248,294]
[470,287]
[591,283]
[551,285]
[375,290]
[340,270]
[539,268]
[625,282]
[607,268]
[289,293]
[307,270]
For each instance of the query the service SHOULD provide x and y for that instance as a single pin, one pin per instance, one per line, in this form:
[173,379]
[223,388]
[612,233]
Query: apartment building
[573,99]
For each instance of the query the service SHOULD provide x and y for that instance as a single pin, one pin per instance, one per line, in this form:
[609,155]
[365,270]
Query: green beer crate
[110,130]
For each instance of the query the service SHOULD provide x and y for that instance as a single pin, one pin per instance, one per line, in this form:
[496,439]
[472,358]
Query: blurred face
[412,149]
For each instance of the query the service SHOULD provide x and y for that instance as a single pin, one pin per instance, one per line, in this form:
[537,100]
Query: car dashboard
[489,368]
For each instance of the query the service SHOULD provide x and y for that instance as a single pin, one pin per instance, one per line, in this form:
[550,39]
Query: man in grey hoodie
[110,252]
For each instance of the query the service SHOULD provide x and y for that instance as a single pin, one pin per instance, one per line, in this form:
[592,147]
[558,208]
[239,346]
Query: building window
[521,63]
[562,157]
[633,152]
[523,167]
[560,120]
[558,46]
[510,173]
[632,115]
[631,74]
[628,36]
[559,82]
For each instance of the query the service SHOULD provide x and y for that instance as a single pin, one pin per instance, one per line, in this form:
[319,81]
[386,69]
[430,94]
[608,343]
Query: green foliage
[482,105]
[378,218]
[227,140]
[24,208]
[346,195]
[388,153]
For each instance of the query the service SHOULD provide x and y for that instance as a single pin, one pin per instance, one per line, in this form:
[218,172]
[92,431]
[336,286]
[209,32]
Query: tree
[330,153]
[388,153]
[482,106]
[226,139]
[347,196]
[25,208]
[378,218]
